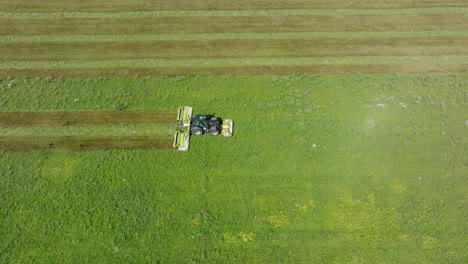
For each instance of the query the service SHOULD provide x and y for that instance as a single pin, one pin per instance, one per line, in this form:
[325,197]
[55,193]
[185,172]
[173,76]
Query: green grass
[367,169]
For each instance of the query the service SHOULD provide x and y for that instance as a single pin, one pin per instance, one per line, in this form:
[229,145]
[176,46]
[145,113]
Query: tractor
[198,125]
[201,124]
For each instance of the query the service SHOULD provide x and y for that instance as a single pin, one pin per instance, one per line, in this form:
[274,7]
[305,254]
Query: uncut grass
[231,24]
[85,118]
[317,172]
[232,48]
[124,5]
[431,68]
[84,143]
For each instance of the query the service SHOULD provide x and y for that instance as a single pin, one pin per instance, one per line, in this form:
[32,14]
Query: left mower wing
[182,137]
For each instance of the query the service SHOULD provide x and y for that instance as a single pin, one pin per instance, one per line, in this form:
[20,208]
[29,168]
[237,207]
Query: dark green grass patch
[321,169]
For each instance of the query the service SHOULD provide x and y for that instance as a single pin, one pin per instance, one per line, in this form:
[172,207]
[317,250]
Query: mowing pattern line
[58,38]
[233,24]
[145,5]
[430,68]
[236,48]
[84,143]
[85,118]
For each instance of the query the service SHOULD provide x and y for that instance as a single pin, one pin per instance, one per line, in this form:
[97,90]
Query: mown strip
[221,36]
[102,130]
[85,118]
[230,24]
[84,143]
[228,49]
[238,62]
[144,5]
[271,70]
[236,13]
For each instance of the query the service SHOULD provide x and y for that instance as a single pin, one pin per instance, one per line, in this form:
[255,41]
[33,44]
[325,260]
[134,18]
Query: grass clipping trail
[85,131]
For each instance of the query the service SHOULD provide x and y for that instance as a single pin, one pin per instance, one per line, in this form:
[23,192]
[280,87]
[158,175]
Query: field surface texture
[365,169]
[350,140]
[84,39]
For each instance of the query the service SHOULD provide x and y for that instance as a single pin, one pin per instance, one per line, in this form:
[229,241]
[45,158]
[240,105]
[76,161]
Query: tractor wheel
[197,132]
[215,132]
[213,123]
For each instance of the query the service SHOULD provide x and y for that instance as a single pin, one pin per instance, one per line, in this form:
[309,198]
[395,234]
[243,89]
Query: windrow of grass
[329,69]
[84,143]
[322,169]
[85,118]
[23,39]
[125,5]
[234,24]
[186,37]
[86,130]
[235,13]
[246,49]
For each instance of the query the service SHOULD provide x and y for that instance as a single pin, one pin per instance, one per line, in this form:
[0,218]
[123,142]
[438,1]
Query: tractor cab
[201,124]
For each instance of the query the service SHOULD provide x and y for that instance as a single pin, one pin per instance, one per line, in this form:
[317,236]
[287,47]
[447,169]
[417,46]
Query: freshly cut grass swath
[429,68]
[93,39]
[125,5]
[84,143]
[225,36]
[85,118]
[235,48]
[233,13]
[233,24]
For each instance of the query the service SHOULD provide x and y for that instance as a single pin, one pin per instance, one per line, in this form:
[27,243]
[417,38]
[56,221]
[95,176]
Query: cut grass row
[85,118]
[235,13]
[119,5]
[233,24]
[229,49]
[241,62]
[84,143]
[111,130]
[84,131]
[429,68]
[21,39]
[228,43]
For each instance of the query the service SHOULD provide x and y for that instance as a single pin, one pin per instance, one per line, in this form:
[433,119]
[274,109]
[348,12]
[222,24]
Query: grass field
[350,138]
[322,169]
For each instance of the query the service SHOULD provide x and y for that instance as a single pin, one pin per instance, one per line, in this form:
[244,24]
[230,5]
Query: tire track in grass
[85,118]
[243,48]
[85,143]
[119,5]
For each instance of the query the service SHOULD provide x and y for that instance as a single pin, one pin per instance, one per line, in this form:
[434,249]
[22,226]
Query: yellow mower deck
[182,136]
[228,128]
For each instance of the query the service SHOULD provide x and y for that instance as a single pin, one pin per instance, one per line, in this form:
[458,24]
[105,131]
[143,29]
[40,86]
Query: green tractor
[202,124]
[199,125]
